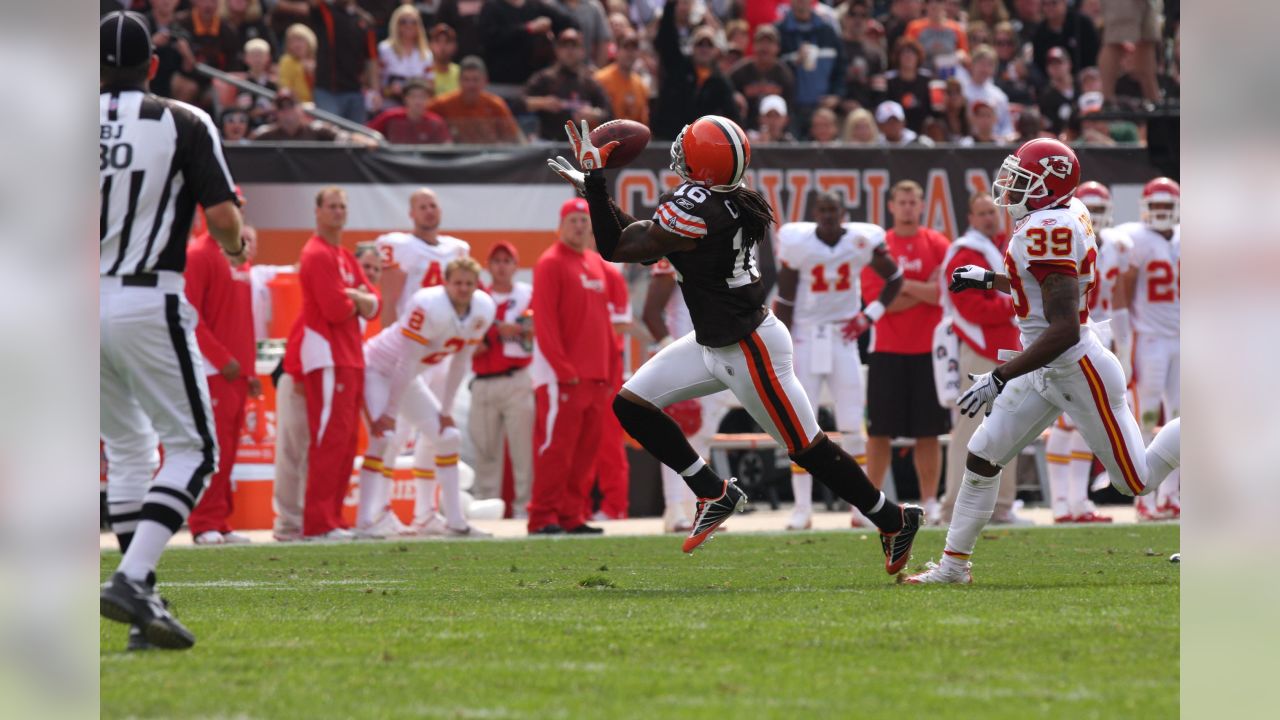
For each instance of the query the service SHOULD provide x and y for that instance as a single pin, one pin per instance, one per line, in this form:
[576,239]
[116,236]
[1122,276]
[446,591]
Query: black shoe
[897,546]
[551,529]
[137,603]
[137,638]
[711,513]
[585,529]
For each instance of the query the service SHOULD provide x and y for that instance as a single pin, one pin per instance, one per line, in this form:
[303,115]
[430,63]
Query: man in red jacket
[335,295]
[983,322]
[612,472]
[573,356]
[223,300]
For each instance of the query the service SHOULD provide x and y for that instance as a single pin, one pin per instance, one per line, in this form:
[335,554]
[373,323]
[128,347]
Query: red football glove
[853,329]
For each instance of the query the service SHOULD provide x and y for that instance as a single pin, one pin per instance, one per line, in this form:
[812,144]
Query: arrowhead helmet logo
[1057,165]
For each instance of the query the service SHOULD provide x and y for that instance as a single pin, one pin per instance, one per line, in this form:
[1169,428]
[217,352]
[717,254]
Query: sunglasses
[704,44]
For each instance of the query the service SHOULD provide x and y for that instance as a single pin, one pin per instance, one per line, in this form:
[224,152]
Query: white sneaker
[434,526]
[384,527]
[209,537]
[334,534]
[932,513]
[801,519]
[935,574]
[470,531]
[235,538]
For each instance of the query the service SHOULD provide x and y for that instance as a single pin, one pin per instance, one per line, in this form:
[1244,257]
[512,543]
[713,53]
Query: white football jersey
[1045,242]
[829,288]
[429,327]
[676,313]
[1156,307]
[1113,259]
[423,264]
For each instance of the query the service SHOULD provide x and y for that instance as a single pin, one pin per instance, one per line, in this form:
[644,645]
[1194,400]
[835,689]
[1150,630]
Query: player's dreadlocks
[757,214]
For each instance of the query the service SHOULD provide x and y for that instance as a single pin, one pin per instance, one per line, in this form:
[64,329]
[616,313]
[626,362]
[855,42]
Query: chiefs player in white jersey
[1151,289]
[1067,453]
[441,327]
[818,297]
[417,259]
[1051,265]
[667,319]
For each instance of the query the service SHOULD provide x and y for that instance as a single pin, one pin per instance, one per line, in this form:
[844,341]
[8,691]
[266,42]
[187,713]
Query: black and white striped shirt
[157,159]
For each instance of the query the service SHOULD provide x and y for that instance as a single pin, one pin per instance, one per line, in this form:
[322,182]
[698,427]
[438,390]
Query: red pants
[565,436]
[334,398]
[228,398]
[611,471]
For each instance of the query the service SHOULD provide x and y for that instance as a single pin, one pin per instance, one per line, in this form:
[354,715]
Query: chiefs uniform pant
[333,416]
[216,504]
[1157,362]
[757,370]
[565,437]
[822,355]
[293,442]
[1091,391]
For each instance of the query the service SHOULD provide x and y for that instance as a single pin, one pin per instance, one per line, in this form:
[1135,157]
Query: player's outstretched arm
[1062,309]
[975,277]
[655,301]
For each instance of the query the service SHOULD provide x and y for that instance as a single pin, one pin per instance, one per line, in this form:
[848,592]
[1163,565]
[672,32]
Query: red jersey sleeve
[985,307]
[322,282]
[546,327]
[198,279]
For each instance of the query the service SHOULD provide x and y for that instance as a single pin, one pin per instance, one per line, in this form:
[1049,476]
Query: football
[632,136]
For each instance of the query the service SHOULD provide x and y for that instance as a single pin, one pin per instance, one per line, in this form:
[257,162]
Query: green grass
[1072,623]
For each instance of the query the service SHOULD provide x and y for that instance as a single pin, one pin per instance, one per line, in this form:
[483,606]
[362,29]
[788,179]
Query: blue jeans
[349,105]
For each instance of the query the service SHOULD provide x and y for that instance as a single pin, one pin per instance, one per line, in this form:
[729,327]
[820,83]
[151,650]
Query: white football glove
[564,169]
[589,156]
[971,277]
[982,394]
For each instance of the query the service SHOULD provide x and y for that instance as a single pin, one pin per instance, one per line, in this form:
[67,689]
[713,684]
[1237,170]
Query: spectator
[762,74]
[908,82]
[1091,9]
[955,111]
[234,125]
[1019,80]
[463,18]
[297,70]
[774,123]
[824,127]
[474,115]
[565,91]
[901,13]
[990,12]
[940,37]
[1058,100]
[864,52]
[173,53]
[596,34]
[618,22]
[292,124]
[979,84]
[737,36]
[221,297]
[983,323]
[1026,18]
[502,391]
[978,33]
[444,44]
[517,37]
[936,130]
[1005,41]
[692,86]
[346,63]
[1030,126]
[1129,93]
[213,41]
[627,91]
[1090,80]
[1067,29]
[404,54]
[893,126]
[901,398]
[257,57]
[335,294]
[860,128]
[413,124]
[982,125]
[813,49]
[244,17]
[572,363]
[1092,131]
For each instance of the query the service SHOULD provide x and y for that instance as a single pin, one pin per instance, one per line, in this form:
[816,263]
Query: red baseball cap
[503,245]
[574,205]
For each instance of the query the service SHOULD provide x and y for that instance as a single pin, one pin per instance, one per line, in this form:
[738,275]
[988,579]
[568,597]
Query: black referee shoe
[137,603]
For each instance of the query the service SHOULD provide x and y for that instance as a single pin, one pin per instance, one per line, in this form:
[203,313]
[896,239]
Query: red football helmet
[1043,173]
[711,151]
[1097,198]
[1161,199]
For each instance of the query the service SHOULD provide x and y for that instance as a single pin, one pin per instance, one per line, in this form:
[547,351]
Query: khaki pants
[958,449]
[502,408]
[293,439]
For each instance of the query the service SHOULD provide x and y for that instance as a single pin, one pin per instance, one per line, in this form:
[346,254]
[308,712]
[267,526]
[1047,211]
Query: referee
[157,159]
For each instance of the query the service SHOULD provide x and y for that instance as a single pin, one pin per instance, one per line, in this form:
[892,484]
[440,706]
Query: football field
[1072,623]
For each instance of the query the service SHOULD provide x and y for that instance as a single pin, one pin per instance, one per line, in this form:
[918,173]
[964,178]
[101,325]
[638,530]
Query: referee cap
[124,40]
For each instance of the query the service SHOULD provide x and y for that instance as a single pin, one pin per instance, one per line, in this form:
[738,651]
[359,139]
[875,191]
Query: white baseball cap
[773,103]
[889,109]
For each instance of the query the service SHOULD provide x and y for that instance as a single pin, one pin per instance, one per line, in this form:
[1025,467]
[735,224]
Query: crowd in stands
[859,72]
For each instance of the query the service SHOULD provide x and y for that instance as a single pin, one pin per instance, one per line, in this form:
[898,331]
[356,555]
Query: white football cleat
[433,526]
[235,538]
[935,574]
[334,534]
[800,520]
[470,531]
[209,537]
[386,526]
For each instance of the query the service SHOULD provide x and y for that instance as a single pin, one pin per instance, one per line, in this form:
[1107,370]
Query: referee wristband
[874,311]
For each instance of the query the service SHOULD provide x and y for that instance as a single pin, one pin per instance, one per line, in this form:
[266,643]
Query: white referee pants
[152,389]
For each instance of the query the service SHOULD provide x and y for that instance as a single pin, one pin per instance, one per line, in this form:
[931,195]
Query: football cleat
[470,531]
[1148,515]
[386,526]
[897,545]
[800,520]
[935,574]
[235,538]
[433,526]
[129,601]
[1091,517]
[209,537]
[712,512]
